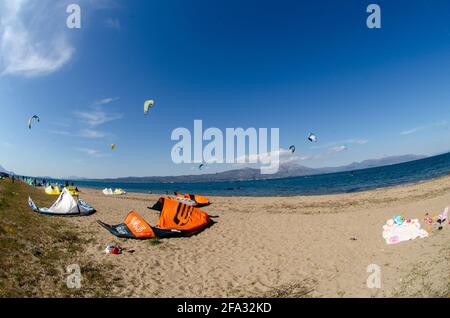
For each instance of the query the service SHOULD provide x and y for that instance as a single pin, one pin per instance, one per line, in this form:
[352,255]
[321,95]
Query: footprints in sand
[298,248]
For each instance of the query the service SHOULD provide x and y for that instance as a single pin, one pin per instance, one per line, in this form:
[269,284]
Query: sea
[331,183]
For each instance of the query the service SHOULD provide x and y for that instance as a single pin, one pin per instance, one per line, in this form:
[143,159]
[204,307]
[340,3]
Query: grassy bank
[35,249]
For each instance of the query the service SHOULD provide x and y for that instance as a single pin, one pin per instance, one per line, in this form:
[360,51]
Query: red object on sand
[113,250]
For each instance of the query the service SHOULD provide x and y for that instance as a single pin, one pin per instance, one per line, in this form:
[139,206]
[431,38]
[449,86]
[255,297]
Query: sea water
[342,182]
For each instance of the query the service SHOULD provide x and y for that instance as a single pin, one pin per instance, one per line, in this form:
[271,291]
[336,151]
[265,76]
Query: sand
[280,246]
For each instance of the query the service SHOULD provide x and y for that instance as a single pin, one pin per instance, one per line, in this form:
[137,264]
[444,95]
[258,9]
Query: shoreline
[334,183]
[386,188]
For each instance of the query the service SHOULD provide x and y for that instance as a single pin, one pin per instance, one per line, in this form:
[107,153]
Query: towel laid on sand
[395,233]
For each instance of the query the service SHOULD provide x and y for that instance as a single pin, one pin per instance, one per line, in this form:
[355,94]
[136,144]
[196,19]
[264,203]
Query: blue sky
[298,65]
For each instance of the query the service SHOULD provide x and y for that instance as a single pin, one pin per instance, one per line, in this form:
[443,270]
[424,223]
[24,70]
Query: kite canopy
[30,120]
[183,200]
[292,148]
[113,146]
[134,226]
[66,204]
[119,191]
[109,191]
[148,104]
[176,220]
[72,190]
[56,190]
[52,190]
[198,199]
[312,137]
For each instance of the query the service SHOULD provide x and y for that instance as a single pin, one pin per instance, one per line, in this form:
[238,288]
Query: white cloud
[355,141]
[90,152]
[284,156]
[358,141]
[97,116]
[338,149]
[86,133]
[263,156]
[90,133]
[32,42]
[441,123]
[90,119]
[60,132]
[303,158]
[62,124]
[105,101]
[412,130]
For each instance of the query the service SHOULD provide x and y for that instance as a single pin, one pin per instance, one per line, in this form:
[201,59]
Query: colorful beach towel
[395,233]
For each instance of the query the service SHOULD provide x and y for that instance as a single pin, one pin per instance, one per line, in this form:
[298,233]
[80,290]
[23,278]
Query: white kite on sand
[66,204]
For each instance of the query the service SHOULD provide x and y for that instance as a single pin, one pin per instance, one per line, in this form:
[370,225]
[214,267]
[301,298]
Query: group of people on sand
[35,182]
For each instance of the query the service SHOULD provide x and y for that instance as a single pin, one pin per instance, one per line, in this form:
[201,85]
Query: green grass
[421,281]
[36,249]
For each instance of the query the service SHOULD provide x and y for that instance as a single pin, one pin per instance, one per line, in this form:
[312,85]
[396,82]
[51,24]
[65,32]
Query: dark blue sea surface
[342,182]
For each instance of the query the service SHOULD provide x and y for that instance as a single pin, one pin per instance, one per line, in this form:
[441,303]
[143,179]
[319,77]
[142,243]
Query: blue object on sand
[398,219]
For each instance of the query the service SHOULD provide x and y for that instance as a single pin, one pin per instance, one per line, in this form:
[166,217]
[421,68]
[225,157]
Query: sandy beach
[279,246]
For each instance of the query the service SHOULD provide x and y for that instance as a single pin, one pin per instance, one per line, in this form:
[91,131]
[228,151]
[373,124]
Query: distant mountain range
[285,171]
[3,170]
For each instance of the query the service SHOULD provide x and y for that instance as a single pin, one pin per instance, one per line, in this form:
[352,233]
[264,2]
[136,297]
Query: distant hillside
[372,163]
[285,171]
[73,178]
[3,170]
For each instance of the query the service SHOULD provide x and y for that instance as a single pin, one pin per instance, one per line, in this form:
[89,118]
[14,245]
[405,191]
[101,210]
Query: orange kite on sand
[176,220]
[198,199]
